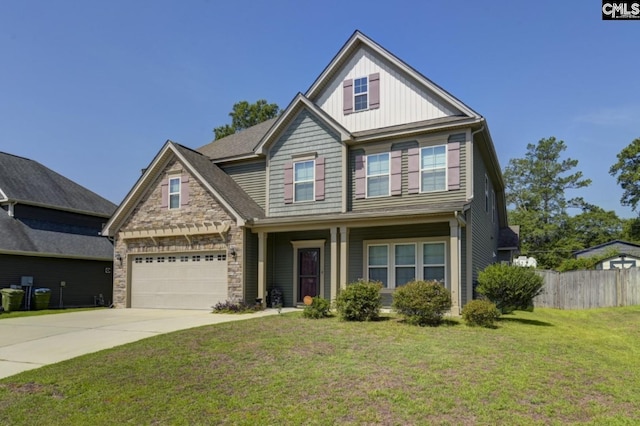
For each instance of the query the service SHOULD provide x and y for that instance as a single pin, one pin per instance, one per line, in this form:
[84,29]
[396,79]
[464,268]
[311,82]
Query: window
[303,180]
[195,258]
[378,264]
[222,257]
[138,260]
[172,259]
[208,258]
[184,258]
[360,94]
[161,259]
[174,193]
[405,263]
[148,260]
[493,206]
[433,262]
[378,175]
[486,194]
[433,168]
[395,263]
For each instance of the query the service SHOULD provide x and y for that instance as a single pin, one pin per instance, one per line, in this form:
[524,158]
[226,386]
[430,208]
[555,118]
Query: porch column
[344,255]
[262,266]
[454,265]
[333,289]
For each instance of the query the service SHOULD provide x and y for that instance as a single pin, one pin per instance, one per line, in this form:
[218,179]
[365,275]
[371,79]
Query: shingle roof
[27,181]
[237,144]
[509,237]
[232,193]
[15,236]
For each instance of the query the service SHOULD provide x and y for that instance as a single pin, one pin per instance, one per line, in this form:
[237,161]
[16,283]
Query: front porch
[310,260]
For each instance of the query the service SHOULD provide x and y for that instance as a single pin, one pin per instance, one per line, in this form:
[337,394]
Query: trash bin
[41,297]
[11,299]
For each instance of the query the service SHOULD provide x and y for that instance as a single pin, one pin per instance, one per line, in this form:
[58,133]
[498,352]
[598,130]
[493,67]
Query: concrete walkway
[31,342]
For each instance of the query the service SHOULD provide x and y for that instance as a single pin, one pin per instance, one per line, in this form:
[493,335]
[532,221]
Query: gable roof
[18,238]
[359,40]
[299,103]
[614,244]
[26,181]
[214,179]
[239,144]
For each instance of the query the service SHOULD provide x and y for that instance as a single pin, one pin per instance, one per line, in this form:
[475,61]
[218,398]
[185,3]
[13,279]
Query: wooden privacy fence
[589,289]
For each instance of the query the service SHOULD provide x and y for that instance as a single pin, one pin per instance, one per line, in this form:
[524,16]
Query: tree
[245,115]
[536,186]
[627,170]
[594,226]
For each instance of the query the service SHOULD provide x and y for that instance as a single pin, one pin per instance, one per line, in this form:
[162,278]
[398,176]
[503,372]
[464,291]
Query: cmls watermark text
[620,10]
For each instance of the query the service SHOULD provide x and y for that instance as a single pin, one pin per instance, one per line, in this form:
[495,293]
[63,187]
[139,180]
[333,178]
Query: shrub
[422,302]
[319,308]
[235,307]
[509,287]
[360,301]
[481,313]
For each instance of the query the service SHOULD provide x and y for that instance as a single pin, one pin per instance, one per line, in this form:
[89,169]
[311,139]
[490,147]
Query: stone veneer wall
[149,214]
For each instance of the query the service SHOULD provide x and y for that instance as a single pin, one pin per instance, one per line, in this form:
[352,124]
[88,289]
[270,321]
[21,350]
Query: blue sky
[92,90]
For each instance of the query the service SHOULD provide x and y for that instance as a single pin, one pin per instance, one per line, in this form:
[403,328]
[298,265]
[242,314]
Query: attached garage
[179,280]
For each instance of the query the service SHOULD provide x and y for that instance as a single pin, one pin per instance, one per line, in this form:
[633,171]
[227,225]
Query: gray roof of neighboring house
[15,236]
[622,247]
[509,237]
[237,144]
[228,189]
[26,181]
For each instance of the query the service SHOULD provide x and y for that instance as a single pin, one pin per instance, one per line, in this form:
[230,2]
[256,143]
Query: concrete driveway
[31,342]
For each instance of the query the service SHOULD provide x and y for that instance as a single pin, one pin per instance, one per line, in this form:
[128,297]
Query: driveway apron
[31,342]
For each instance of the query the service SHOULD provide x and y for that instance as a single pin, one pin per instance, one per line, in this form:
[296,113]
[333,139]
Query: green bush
[510,287]
[481,313]
[235,307]
[319,308]
[422,302]
[360,301]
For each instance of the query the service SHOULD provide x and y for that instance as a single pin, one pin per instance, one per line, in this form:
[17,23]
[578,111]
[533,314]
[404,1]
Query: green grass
[543,367]
[18,314]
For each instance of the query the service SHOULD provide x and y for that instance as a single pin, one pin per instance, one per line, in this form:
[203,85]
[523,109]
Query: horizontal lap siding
[406,199]
[84,278]
[484,232]
[251,177]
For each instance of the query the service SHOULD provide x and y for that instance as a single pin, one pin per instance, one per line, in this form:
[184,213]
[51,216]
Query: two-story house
[50,234]
[375,172]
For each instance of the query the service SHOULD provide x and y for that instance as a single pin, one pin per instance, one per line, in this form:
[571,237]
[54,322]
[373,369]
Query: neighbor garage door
[179,280]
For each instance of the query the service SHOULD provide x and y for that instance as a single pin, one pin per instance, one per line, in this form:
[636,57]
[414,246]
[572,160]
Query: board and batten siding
[251,176]
[280,261]
[402,101]
[484,231]
[407,199]
[306,134]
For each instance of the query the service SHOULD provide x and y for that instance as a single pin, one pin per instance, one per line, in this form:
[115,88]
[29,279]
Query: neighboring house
[50,231]
[623,254]
[374,172]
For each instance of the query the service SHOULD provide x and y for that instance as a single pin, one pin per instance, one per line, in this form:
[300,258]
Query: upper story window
[303,180]
[433,168]
[174,193]
[378,175]
[360,94]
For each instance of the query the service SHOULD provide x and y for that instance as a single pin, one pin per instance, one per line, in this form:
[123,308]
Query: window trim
[178,193]
[423,169]
[312,180]
[367,176]
[365,93]
[419,266]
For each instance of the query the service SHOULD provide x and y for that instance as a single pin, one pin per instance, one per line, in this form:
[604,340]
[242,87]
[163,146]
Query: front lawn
[544,367]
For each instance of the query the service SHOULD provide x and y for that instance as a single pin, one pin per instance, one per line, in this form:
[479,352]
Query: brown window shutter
[374,91]
[347,96]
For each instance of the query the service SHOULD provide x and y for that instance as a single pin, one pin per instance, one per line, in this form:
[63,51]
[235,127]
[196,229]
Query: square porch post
[262,266]
[454,265]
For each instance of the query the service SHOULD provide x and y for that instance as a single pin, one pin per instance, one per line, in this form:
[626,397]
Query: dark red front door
[308,272]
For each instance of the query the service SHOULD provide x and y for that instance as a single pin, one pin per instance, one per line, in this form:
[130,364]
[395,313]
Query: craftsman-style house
[374,172]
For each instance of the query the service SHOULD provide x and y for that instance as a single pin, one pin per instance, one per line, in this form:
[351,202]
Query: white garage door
[179,280]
